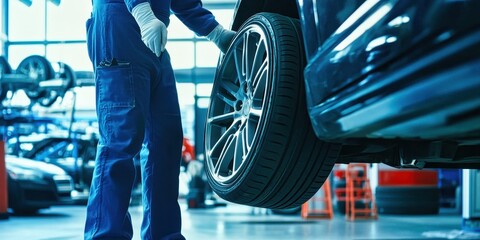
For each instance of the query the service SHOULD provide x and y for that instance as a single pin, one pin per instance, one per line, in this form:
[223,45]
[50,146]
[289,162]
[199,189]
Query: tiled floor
[245,223]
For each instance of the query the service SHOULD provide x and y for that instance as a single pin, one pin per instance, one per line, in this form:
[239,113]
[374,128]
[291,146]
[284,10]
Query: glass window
[186,97]
[16,53]
[223,16]
[177,29]
[207,54]
[204,89]
[26,23]
[67,20]
[181,54]
[75,55]
[186,92]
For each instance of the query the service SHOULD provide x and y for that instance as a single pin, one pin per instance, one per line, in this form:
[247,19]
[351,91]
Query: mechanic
[137,103]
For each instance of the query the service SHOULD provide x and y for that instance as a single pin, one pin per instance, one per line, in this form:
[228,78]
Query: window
[207,54]
[58,32]
[16,53]
[181,54]
[177,29]
[67,20]
[26,23]
[73,54]
[223,16]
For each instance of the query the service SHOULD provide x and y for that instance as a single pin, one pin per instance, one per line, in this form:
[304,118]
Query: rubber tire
[402,207]
[287,211]
[5,68]
[288,163]
[34,93]
[408,200]
[52,95]
[407,193]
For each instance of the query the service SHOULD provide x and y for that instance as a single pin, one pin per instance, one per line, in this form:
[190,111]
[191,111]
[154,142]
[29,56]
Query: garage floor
[241,222]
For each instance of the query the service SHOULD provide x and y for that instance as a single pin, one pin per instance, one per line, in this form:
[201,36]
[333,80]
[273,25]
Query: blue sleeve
[132,3]
[194,16]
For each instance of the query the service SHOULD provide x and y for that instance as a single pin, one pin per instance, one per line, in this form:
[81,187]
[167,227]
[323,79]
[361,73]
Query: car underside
[450,141]
[307,84]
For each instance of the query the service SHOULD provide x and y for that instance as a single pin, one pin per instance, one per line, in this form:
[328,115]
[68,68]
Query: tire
[408,200]
[67,75]
[38,69]
[407,193]
[5,68]
[260,147]
[408,208]
[25,211]
[288,211]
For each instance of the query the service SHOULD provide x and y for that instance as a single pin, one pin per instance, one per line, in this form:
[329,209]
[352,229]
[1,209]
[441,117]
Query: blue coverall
[136,100]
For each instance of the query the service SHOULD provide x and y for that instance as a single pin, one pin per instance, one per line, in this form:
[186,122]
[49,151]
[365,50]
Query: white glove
[154,31]
[221,37]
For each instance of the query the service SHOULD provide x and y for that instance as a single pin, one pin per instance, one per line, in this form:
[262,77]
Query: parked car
[307,84]
[74,155]
[62,152]
[34,185]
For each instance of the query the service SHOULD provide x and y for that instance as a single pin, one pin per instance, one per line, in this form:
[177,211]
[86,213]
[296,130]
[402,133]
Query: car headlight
[64,183]
[25,174]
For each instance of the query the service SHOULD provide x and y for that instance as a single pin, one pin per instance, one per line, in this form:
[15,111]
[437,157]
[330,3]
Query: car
[308,84]
[75,155]
[34,185]
[62,152]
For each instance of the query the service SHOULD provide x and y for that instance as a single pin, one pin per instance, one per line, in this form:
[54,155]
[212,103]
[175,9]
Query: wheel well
[248,8]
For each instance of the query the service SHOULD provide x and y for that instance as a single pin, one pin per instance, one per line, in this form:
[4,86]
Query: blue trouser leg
[161,168]
[136,102]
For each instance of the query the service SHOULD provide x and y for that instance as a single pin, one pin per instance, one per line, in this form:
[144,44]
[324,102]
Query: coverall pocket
[115,86]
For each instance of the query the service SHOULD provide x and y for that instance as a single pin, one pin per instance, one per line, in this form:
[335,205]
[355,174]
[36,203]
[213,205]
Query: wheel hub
[246,108]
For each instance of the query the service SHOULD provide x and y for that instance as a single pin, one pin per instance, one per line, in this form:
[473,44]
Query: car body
[307,84]
[62,152]
[76,156]
[34,185]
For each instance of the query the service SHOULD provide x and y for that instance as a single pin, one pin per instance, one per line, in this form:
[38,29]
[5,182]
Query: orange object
[188,151]
[320,205]
[360,202]
[407,177]
[3,184]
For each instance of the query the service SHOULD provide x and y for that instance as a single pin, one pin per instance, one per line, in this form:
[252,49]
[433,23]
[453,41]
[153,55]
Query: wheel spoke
[250,130]
[255,113]
[229,93]
[226,100]
[238,60]
[260,77]
[226,157]
[216,149]
[259,85]
[241,149]
[250,53]
[222,120]
[259,58]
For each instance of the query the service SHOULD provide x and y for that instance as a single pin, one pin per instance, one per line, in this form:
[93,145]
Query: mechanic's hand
[221,37]
[154,31]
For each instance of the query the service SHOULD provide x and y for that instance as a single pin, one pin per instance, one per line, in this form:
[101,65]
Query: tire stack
[407,191]
[339,190]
